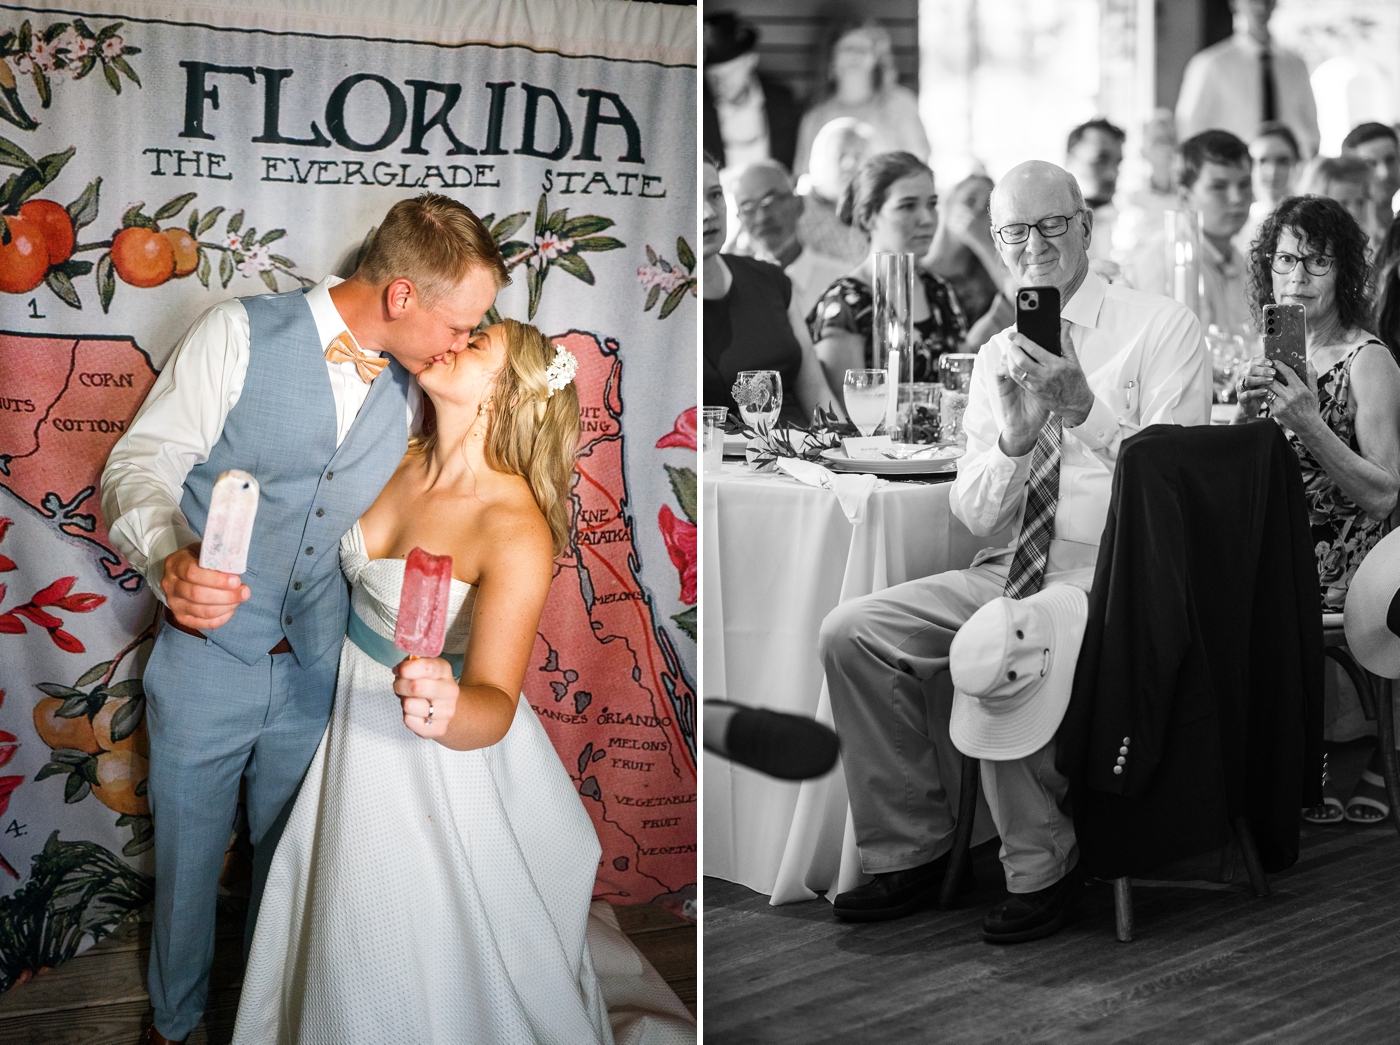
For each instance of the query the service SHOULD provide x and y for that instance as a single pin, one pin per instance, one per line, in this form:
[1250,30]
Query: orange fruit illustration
[102,730]
[56,225]
[118,773]
[186,251]
[25,259]
[143,257]
[58,732]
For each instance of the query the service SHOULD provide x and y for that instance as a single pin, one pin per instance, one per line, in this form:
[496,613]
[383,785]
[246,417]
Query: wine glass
[759,394]
[866,396]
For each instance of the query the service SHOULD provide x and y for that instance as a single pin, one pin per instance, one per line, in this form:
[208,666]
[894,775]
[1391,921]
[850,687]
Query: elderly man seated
[769,212]
[1044,429]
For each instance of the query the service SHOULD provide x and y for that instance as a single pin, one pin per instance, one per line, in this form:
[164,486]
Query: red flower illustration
[682,435]
[679,536]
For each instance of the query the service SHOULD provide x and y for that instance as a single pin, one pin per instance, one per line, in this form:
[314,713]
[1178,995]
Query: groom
[309,391]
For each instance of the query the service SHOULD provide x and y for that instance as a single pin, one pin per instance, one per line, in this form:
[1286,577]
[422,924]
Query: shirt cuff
[1002,463]
[1099,429]
[166,544]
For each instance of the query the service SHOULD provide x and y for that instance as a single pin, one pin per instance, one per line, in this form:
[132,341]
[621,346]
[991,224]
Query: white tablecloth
[778,556]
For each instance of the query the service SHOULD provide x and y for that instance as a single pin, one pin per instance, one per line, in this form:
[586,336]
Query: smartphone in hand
[1038,316]
[1285,339]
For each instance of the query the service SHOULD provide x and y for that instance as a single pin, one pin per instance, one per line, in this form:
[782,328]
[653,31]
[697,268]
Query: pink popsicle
[422,623]
[229,528]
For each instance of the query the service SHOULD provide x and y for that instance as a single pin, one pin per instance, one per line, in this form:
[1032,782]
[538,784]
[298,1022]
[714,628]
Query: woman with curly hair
[1341,416]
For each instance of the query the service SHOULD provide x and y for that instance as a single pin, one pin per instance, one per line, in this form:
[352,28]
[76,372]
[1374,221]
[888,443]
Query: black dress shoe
[1032,916]
[893,894]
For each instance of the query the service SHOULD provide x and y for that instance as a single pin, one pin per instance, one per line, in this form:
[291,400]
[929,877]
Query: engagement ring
[429,719]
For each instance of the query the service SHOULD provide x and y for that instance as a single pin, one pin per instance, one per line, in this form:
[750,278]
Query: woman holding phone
[1340,415]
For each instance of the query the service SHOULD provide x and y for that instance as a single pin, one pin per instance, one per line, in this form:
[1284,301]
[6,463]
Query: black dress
[849,305]
[749,329]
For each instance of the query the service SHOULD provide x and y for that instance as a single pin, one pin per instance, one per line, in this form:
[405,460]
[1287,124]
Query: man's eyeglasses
[1315,264]
[749,208]
[1055,225]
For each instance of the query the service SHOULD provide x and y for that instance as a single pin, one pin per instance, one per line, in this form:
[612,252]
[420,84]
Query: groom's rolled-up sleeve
[174,430]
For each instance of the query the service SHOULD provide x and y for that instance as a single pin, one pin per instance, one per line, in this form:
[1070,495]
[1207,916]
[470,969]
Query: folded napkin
[852,491]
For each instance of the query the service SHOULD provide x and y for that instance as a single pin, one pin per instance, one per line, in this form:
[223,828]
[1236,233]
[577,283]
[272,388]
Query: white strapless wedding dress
[425,896]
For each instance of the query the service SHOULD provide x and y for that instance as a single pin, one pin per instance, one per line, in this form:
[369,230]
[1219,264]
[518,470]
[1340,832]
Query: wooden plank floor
[99,998]
[1315,962]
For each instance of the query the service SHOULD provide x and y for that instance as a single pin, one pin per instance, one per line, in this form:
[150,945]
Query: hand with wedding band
[428,695]
[1292,400]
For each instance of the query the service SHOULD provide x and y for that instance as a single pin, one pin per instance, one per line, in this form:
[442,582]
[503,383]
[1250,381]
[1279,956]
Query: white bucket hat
[1372,616]
[1013,667]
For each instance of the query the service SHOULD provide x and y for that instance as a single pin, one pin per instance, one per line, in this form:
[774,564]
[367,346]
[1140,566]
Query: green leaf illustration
[110,75]
[509,225]
[685,254]
[83,211]
[235,223]
[127,717]
[77,788]
[134,217]
[599,243]
[271,237]
[575,266]
[63,288]
[207,222]
[652,296]
[126,69]
[586,225]
[106,280]
[41,84]
[73,267]
[686,622]
[128,688]
[269,279]
[536,285]
[11,155]
[202,272]
[683,485]
[93,673]
[511,249]
[674,299]
[175,206]
[225,269]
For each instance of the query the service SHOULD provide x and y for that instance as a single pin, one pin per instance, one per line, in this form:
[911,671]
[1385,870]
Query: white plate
[837,461]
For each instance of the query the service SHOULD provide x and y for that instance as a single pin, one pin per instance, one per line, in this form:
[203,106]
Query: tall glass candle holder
[894,328]
[1183,246]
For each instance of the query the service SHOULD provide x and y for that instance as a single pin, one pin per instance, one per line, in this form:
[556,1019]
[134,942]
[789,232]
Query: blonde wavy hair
[532,434]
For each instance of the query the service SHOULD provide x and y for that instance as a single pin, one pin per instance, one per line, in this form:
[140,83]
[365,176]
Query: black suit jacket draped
[1202,655]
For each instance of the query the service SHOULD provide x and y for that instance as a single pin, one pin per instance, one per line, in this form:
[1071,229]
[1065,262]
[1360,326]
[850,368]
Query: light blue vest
[282,431]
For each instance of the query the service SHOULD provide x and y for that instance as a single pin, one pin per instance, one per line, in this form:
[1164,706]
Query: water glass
[1227,352]
[955,371]
[866,393]
[712,437]
[918,408]
[759,394]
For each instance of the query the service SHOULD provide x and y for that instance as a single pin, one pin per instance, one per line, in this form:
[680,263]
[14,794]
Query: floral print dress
[849,305]
[1342,532]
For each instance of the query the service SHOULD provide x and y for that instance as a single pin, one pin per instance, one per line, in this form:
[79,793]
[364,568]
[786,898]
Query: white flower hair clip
[560,372]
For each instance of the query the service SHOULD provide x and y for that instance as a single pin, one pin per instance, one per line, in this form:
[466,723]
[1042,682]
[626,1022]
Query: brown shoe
[151,1036]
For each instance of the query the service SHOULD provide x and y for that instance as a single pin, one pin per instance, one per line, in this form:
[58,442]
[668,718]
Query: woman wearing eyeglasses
[892,200]
[1342,417]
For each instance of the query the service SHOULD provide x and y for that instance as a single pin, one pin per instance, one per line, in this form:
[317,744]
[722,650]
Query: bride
[433,881]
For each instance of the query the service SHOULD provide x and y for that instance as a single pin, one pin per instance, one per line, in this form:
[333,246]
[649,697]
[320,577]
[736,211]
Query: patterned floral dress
[1342,532]
[849,305]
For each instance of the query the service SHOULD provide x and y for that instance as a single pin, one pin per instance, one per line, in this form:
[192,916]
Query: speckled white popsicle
[229,529]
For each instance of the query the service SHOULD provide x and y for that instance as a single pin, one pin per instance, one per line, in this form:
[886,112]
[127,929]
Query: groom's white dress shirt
[183,417]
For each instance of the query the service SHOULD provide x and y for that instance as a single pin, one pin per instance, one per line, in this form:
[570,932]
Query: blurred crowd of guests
[797,203]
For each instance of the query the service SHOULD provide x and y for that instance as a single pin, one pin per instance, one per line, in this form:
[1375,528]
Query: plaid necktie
[1042,494]
[343,349]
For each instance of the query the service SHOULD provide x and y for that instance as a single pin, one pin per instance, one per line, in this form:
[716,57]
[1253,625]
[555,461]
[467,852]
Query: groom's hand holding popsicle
[202,582]
[424,681]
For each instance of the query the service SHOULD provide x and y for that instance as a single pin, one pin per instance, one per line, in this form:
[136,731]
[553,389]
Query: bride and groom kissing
[429,879]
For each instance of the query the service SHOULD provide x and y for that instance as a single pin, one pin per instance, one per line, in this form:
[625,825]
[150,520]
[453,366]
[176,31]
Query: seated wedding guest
[893,201]
[837,153]
[1043,437]
[1274,151]
[769,211]
[1340,416]
[1378,147]
[964,255]
[1141,214]
[1093,154]
[1345,179]
[747,116]
[1213,178]
[859,81]
[747,324]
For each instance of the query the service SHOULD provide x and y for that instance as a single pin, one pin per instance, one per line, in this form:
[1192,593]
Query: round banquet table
[779,555]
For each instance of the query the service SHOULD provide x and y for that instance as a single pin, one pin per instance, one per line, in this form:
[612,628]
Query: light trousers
[885,656]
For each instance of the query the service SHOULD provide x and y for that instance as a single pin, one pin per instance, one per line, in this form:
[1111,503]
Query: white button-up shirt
[183,417]
[1146,363]
[1222,89]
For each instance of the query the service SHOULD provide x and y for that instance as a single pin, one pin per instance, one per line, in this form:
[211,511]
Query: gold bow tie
[344,350]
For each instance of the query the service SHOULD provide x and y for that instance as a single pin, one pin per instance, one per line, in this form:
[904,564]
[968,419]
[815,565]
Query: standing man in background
[1378,146]
[748,117]
[1093,154]
[1244,81]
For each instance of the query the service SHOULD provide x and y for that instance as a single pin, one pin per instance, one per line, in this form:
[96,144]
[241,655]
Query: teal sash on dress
[377,647]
